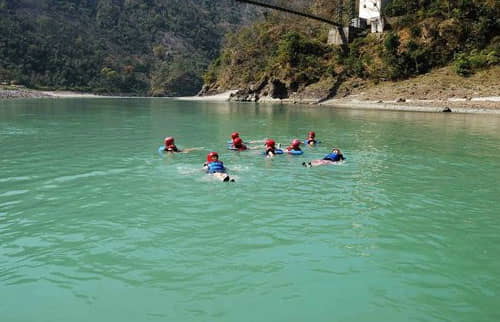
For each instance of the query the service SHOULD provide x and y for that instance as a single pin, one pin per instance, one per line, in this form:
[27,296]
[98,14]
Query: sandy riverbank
[63,94]
[488,105]
[481,106]
[28,93]
[222,97]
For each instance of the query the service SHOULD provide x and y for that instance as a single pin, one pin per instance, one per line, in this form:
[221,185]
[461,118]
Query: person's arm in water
[177,150]
[255,141]
[190,149]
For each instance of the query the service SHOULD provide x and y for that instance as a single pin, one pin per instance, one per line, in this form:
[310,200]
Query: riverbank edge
[21,93]
[480,105]
[416,106]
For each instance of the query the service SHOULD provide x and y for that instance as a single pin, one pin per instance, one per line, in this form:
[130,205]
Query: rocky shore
[439,91]
[489,105]
[20,93]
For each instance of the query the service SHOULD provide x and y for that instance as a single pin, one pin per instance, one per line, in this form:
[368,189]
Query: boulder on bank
[271,89]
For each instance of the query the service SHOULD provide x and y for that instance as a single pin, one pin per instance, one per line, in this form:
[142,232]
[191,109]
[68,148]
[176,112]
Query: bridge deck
[288,10]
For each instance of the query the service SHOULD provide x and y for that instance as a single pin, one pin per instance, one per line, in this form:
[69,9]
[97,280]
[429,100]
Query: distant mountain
[143,47]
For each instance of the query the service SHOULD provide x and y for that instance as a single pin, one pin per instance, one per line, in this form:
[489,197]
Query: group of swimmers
[216,167]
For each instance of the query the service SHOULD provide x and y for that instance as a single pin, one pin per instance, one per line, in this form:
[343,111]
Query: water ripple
[405,229]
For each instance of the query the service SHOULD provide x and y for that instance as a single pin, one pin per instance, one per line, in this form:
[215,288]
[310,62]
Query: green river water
[96,225]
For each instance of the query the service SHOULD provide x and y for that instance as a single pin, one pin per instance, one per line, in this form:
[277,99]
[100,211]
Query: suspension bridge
[339,34]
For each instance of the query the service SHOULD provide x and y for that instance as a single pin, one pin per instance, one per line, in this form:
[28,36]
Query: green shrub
[298,51]
[462,65]
[391,43]
[353,63]
[493,58]
[477,60]
[209,77]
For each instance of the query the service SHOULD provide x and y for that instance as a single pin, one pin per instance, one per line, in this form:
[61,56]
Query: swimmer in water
[311,138]
[294,146]
[169,146]
[270,150]
[216,168]
[238,145]
[235,135]
[333,157]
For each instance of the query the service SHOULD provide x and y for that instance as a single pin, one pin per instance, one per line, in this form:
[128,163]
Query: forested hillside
[285,56]
[143,47]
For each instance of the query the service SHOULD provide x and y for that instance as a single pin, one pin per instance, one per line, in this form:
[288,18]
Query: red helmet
[296,143]
[312,134]
[237,142]
[210,155]
[235,135]
[169,141]
[270,143]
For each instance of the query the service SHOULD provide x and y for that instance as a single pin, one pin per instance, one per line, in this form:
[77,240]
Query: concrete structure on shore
[371,11]
[369,14]
[338,36]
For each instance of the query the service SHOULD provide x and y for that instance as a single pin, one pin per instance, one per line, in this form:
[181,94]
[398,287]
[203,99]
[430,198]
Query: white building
[371,10]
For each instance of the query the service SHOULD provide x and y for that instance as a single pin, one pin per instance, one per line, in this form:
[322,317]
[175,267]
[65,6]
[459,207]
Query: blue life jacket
[215,167]
[308,141]
[333,157]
